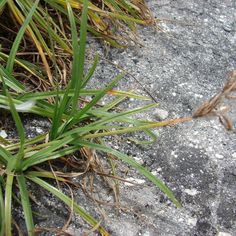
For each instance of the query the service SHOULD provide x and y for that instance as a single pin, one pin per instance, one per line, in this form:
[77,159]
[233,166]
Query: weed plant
[76,126]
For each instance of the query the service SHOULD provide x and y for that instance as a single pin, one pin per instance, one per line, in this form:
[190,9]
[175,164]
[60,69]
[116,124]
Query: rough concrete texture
[181,67]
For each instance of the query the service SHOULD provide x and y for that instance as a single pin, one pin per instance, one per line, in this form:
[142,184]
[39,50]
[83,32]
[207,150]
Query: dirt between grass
[181,68]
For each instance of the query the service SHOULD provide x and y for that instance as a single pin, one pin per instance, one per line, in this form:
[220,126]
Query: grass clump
[114,21]
[73,130]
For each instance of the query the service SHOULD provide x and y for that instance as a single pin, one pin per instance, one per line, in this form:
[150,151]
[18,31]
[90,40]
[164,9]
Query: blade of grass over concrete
[15,162]
[8,203]
[84,92]
[2,220]
[137,166]
[68,201]
[91,71]
[24,195]
[78,53]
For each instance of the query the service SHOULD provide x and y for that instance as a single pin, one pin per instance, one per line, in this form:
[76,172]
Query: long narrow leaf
[11,81]
[8,203]
[78,54]
[2,220]
[91,71]
[137,166]
[20,34]
[24,194]
[68,201]
[15,162]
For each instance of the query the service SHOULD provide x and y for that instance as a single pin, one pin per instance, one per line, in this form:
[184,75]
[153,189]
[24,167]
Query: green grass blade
[90,105]
[2,4]
[68,201]
[31,161]
[145,142]
[137,166]
[16,161]
[24,194]
[5,156]
[2,220]
[20,34]
[30,67]
[8,203]
[78,52]
[83,92]
[109,117]
[91,71]
[45,110]
[11,81]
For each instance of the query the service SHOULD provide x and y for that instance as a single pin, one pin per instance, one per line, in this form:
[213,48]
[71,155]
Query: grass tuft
[79,126]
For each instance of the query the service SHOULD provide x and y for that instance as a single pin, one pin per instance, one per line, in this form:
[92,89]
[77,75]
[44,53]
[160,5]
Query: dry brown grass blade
[67,224]
[225,120]
[210,107]
[145,11]
[19,231]
[230,86]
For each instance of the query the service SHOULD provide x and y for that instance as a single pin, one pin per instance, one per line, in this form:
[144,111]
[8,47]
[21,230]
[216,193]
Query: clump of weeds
[78,127]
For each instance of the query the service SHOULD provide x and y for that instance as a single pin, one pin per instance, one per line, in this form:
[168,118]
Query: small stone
[161,114]
[223,234]
[154,172]
[135,60]
[218,156]
[192,221]
[234,155]
[39,130]
[135,181]
[3,133]
[227,28]
[191,192]
[146,233]
[139,160]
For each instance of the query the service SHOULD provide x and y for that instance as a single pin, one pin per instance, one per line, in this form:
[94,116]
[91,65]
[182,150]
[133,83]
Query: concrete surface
[181,67]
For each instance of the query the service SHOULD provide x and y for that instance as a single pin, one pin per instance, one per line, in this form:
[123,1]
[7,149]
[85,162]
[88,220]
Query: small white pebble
[154,172]
[3,133]
[160,114]
[39,130]
[146,233]
[135,181]
[191,192]
[219,156]
[192,221]
[223,234]
[139,160]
